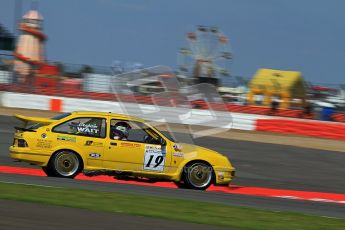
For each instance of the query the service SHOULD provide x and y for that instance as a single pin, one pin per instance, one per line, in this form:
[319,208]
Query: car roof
[112,115]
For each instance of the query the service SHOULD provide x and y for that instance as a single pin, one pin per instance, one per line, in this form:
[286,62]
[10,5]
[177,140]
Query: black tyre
[198,175]
[47,170]
[65,164]
[181,184]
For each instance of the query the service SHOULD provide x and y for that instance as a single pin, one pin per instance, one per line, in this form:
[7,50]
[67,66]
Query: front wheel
[64,164]
[47,170]
[198,175]
[180,184]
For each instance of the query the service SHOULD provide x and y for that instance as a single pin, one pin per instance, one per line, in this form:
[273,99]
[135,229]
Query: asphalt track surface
[257,164]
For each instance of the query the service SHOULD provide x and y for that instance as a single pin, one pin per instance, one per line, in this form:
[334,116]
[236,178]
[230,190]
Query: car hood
[193,150]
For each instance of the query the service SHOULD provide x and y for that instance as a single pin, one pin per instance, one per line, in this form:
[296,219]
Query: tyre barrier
[306,128]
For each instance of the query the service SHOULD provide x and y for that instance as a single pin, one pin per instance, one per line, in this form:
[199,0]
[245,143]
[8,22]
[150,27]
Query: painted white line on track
[288,197]
[312,199]
[37,185]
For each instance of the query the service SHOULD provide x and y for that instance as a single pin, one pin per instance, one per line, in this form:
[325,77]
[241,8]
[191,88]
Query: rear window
[35,126]
[61,116]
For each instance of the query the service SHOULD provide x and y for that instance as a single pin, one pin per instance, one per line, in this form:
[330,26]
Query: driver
[120,131]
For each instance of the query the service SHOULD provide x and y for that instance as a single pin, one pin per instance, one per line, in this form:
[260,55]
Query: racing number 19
[154,159]
[158,161]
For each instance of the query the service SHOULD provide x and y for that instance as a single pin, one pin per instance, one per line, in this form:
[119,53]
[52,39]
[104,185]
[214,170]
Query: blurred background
[292,66]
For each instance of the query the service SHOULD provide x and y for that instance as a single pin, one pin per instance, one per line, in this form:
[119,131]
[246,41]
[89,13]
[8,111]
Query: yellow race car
[122,146]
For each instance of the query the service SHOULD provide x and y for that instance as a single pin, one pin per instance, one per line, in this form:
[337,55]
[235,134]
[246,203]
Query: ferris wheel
[208,55]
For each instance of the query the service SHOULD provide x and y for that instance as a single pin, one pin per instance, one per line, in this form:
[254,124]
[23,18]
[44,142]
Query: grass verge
[167,208]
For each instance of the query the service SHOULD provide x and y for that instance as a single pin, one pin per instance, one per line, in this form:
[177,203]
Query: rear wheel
[198,175]
[64,164]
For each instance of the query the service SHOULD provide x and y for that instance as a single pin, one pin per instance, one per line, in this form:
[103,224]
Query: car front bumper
[223,176]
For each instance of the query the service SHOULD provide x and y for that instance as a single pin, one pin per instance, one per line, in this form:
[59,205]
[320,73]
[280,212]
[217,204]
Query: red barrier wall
[307,128]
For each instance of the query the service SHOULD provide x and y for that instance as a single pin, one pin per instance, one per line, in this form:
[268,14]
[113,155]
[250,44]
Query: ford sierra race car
[125,147]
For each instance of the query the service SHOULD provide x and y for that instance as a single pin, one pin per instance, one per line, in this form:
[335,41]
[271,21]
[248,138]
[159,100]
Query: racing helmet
[121,129]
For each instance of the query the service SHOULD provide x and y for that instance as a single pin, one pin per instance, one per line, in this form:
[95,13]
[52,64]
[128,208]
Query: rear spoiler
[24,129]
[41,120]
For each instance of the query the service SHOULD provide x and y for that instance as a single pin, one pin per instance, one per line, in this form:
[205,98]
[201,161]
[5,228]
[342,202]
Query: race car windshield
[167,135]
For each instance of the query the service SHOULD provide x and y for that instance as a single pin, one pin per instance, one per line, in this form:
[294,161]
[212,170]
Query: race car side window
[83,126]
[138,132]
[135,132]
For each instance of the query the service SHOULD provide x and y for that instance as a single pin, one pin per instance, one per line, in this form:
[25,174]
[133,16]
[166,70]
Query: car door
[86,135]
[136,153]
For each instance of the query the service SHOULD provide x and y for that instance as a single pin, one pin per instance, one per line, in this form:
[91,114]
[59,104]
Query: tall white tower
[29,49]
